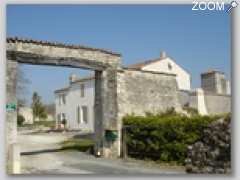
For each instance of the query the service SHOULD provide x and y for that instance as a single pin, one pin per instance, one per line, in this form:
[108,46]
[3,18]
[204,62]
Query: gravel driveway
[40,158]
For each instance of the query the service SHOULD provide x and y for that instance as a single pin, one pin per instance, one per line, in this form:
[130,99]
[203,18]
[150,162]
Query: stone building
[117,91]
[214,96]
[215,82]
[75,103]
[166,64]
[162,76]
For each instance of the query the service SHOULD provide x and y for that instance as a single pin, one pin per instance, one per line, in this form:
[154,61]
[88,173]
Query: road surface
[39,157]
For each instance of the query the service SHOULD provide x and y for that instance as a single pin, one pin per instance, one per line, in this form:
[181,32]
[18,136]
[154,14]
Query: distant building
[214,81]
[26,112]
[214,96]
[166,64]
[75,103]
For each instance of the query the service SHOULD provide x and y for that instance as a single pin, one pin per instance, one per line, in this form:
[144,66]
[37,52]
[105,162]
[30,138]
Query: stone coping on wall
[144,71]
[194,92]
[58,44]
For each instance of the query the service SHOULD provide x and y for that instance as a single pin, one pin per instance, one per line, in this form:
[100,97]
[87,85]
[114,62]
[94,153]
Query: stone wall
[212,154]
[184,97]
[140,92]
[217,103]
[206,102]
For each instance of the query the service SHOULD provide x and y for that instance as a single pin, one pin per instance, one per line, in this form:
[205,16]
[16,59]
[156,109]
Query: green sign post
[111,135]
[11,107]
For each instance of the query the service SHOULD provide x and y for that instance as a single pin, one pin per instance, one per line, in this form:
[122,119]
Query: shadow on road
[40,152]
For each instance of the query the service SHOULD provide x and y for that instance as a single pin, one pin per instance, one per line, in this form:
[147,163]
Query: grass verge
[82,145]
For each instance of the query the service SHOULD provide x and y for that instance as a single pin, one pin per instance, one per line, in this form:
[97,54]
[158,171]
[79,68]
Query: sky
[196,40]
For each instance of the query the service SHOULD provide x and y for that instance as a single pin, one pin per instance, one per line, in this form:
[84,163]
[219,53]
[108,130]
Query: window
[169,66]
[82,88]
[59,100]
[78,115]
[85,114]
[64,99]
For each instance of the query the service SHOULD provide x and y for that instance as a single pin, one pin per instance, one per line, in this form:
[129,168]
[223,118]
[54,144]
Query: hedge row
[165,136]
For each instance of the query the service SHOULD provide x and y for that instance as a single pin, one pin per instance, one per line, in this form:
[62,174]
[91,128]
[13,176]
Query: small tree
[37,107]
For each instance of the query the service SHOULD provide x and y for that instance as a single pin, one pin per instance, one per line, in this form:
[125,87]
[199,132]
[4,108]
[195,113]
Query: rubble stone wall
[217,103]
[212,154]
[139,92]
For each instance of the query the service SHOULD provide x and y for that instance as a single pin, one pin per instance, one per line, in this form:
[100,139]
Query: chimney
[72,78]
[163,55]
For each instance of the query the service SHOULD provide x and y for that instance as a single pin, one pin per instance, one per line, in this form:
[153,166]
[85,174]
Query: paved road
[42,160]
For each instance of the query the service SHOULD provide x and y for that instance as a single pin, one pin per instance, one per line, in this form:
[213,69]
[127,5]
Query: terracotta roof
[139,66]
[58,44]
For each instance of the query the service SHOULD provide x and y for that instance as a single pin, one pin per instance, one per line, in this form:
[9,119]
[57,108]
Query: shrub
[191,111]
[20,120]
[164,136]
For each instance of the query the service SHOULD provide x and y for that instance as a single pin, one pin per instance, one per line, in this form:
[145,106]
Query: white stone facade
[75,104]
[166,64]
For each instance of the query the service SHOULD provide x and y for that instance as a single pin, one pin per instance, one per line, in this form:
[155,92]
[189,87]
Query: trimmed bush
[164,136]
[20,120]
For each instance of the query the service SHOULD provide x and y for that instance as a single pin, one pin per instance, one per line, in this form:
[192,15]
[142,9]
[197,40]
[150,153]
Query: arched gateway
[104,63]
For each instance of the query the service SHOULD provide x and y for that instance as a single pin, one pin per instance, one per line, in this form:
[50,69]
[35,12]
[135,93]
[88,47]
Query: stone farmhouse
[75,103]
[117,91]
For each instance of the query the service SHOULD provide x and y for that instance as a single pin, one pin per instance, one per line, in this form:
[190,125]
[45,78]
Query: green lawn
[77,144]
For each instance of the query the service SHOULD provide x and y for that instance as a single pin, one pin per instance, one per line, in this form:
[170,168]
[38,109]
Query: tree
[21,88]
[50,109]
[37,107]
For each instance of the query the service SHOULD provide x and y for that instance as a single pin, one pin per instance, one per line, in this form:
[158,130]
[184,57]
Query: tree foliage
[37,107]
[22,83]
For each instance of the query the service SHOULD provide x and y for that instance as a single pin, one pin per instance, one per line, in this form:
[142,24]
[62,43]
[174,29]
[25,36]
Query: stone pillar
[12,156]
[110,120]
[98,115]
[106,113]
[201,102]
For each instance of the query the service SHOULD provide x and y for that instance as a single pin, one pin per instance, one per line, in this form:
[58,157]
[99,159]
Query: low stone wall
[206,103]
[139,92]
[184,97]
[217,103]
[213,153]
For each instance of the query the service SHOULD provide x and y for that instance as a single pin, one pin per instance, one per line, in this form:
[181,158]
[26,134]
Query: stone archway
[105,64]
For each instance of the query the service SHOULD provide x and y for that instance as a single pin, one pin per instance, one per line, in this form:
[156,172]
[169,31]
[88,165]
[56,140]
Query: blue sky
[197,40]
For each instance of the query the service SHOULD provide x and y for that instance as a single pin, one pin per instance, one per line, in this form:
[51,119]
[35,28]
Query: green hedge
[165,136]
